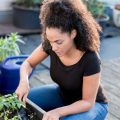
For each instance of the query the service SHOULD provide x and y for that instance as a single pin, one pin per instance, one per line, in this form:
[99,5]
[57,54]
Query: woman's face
[61,42]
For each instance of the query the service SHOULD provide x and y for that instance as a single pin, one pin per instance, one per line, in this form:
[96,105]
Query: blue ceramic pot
[10,73]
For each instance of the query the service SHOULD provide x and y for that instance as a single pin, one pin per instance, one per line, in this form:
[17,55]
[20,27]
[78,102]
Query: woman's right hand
[23,90]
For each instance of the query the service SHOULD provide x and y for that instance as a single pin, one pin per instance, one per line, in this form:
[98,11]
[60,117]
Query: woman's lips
[58,53]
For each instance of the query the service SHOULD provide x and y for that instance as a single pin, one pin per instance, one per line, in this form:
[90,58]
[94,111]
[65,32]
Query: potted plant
[116,15]
[9,46]
[9,69]
[13,109]
[97,9]
[26,13]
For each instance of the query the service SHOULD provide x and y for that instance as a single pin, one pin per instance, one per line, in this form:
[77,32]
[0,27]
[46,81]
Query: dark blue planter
[109,12]
[10,74]
[0,75]
[103,21]
[26,18]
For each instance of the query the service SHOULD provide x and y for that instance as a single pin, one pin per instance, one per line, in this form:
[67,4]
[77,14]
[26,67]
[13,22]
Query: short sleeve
[92,64]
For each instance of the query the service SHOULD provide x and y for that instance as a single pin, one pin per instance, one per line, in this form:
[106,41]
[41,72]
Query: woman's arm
[36,57]
[90,88]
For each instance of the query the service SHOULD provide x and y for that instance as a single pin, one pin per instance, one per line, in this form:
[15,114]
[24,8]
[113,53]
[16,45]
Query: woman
[71,39]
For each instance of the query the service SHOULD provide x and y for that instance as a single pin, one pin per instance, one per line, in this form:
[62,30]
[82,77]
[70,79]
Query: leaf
[5,117]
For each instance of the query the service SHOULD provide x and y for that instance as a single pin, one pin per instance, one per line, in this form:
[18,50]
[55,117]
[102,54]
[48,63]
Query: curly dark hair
[68,15]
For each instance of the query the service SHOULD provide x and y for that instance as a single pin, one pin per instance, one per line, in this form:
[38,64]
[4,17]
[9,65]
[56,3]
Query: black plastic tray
[35,109]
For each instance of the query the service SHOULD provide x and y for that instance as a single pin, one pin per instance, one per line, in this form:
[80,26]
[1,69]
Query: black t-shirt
[70,78]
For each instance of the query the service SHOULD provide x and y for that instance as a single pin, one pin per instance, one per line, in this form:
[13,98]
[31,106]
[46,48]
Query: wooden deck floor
[110,79]
[111,83]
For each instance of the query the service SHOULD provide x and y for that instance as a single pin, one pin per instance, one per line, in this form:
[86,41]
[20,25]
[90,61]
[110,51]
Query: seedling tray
[13,109]
[37,111]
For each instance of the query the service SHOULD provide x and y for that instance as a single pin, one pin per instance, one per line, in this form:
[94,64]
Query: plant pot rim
[106,18]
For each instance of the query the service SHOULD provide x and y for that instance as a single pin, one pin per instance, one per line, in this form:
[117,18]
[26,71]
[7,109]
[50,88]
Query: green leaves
[95,7]
[9,46]
[8,105]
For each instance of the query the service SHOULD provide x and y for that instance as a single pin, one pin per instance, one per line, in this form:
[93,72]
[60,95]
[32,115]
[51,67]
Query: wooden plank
[111,117]
[111,88]
[111,82]
[111,77]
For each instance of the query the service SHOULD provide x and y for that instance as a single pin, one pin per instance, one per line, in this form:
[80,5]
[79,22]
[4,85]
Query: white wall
[5,5]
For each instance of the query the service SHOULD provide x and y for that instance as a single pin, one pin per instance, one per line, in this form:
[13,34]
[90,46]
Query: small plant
[96,7]
[13,109]
[9,46]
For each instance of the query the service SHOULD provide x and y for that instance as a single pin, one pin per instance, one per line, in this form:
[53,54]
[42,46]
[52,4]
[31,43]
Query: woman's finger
[20,97]
[25,98]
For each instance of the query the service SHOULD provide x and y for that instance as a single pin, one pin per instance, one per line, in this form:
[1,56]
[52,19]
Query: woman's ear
[73,34]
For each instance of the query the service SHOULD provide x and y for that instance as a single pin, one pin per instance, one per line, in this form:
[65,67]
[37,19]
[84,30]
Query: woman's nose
[54,47]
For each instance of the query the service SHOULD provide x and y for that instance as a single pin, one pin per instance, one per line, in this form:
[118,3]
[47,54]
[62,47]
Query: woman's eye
[59,42]
[56,42]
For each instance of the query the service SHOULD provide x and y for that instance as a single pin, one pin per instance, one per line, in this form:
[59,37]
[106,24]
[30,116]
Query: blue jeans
[48,97]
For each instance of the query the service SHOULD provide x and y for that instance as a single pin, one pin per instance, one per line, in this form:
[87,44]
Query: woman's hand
[51,115]
[23,90]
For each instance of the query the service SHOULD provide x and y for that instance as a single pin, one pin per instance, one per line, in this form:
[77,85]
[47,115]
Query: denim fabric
[48,97]
[98,112]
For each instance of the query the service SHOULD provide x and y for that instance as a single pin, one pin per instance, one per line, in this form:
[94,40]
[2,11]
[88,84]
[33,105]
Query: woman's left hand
[51,115]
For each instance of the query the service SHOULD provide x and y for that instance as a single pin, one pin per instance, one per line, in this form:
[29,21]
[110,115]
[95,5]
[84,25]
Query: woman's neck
[72,57]
[73,52]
